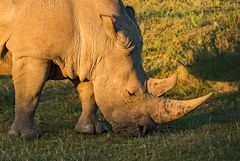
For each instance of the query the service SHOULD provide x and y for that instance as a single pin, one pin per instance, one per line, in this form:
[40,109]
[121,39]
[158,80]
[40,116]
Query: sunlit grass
[198,39]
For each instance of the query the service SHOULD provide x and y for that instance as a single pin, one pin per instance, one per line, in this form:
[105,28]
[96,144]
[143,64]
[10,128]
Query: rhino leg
[29,76]
[88,122]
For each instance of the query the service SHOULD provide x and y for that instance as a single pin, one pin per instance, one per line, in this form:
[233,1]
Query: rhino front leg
[88,122]
[29,76]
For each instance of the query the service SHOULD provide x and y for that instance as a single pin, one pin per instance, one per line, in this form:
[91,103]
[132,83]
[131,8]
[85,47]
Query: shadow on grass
[220,110]
[153,71]
[223,66]
[55,90]
[6,92]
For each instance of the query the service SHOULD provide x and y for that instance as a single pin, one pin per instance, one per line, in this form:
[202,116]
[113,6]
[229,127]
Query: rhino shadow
[153,71]
[222,66]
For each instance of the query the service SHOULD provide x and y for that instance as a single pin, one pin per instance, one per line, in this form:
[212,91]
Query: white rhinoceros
[97,45]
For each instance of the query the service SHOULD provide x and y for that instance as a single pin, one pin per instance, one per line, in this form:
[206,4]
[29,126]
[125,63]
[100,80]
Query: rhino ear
[108,26]
[119,36]
[131,13]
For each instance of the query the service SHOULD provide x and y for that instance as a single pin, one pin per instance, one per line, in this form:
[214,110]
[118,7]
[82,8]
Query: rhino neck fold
[93,40]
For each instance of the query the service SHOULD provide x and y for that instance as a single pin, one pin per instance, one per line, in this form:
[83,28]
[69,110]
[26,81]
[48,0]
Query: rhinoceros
[95,44]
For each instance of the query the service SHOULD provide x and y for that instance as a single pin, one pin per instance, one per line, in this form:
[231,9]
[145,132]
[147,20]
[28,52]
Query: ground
[198,39]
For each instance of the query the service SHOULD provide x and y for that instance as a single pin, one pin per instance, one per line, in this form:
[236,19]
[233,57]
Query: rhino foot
[91,127]
[24,126]
[26,134]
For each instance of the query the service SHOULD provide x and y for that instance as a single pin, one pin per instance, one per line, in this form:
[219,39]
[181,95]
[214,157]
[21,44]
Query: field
[199,40]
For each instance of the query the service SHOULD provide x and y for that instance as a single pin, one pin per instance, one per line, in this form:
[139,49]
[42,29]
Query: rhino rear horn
[120,37]
[158,87]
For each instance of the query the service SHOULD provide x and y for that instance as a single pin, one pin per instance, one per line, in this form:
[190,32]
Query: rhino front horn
[158,87]
[166,110]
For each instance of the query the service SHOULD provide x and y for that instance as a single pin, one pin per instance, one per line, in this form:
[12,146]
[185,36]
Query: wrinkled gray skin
[97,45]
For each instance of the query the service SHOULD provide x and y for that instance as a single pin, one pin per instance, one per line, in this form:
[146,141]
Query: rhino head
[125,95]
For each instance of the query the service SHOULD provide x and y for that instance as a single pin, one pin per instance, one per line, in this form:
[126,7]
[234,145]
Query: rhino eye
[132,92]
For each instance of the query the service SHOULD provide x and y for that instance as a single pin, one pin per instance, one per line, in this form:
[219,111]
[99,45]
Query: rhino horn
[158,87]
[166,110]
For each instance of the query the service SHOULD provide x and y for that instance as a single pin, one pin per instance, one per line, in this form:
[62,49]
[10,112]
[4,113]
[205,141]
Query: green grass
[198,39]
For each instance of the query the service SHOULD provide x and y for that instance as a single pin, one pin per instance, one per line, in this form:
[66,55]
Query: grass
[198,39]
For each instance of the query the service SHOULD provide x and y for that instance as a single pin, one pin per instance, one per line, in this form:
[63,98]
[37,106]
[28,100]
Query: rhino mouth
[138,128]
